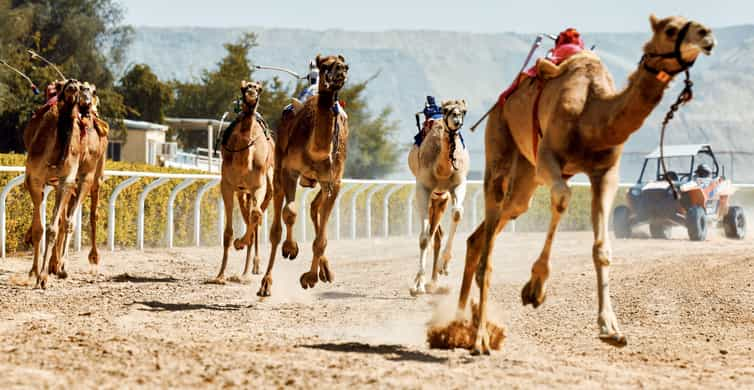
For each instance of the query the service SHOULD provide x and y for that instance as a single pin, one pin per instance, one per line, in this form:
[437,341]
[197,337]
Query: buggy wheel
[734,223]
[621,222]
[696,223]
[660,231]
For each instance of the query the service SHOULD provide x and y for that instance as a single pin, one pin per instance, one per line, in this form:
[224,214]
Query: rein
[452,134]
[684,97]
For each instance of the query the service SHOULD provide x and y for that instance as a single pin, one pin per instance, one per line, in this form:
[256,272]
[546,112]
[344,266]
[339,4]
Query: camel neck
[628,109]
[443,167]
[320,145]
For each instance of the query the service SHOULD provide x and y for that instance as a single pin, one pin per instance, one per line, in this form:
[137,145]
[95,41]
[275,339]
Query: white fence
[364,202]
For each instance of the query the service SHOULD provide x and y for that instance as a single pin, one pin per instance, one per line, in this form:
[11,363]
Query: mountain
[477,67]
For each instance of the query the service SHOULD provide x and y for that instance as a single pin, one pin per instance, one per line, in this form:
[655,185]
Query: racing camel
[311,147]
[585,122]
[440,164]
[248,155]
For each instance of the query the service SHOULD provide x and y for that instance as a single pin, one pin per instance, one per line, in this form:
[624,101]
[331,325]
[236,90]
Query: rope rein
[684,97]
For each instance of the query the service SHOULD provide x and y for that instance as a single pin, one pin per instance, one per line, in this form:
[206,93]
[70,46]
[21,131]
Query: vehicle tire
[734,223]
[696,223]
[621,222]
[660,231]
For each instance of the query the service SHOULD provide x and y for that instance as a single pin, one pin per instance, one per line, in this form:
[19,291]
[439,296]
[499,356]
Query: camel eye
[671,31]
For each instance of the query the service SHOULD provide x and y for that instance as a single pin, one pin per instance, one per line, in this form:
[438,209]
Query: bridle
[684,97]
[452,134]
[674,55]
[253,140]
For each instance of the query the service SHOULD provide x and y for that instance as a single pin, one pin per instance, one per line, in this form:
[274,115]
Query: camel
[440,164]
[311,145]
[89,138]
[585,122]
[248,155]
[52,158]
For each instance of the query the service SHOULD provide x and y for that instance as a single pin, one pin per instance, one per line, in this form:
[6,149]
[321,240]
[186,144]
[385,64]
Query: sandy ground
[150,321]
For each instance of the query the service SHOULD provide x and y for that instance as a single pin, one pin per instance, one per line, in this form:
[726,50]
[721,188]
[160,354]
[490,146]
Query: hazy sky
[459,15]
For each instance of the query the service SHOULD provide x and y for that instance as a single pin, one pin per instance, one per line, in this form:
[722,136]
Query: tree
[372,151]
[82,36]
[146,98]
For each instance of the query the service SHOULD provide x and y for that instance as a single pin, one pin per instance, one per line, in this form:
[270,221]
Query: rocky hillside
[412,64]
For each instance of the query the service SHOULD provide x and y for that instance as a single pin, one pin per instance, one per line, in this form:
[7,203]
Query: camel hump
[549,70]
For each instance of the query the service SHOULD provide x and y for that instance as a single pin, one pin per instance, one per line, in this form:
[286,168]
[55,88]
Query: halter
[675,55]
[452,134]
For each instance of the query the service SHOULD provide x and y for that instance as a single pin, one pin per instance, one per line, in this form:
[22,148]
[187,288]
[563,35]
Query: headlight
[635,191]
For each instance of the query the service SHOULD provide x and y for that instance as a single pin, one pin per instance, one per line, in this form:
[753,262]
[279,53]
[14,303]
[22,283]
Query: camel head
[251,91]
[333,72]
[676,43]
[88,99]
[453,112]
[70,92]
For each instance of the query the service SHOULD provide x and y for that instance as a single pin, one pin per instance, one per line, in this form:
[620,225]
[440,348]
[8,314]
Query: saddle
[228,130]
[567,46]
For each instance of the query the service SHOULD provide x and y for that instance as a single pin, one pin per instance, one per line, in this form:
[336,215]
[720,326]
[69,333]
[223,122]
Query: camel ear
[318,60]
[244,83]
[342,58]
[654,21]
[463,104]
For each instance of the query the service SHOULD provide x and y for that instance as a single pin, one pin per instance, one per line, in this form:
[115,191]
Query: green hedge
[19,209]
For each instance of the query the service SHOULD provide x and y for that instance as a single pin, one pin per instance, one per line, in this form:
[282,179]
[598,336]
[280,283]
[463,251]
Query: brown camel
[91,139]
[248,155]
[584,123]
[440,164]
[54,147]
[311,145]
[91,172]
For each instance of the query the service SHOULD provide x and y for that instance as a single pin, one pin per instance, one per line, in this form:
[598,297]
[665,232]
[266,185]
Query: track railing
[361,198]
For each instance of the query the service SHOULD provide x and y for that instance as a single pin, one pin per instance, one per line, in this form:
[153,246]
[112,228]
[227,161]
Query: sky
[485,16]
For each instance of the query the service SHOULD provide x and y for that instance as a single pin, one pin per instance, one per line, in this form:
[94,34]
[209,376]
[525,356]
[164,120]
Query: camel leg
[36,191]
[254,218]
[436,211]
[84,188]
[290,246]
[535,290]
[244,201]
[265,204]
[500,208]
[276,230]
[458,195]
[315,208]
[604,187]
[320,266]
[226,191]
[93,208]
[422,210]
[62,196]
[257,259]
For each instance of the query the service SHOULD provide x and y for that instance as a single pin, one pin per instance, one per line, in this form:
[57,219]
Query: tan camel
[440,165]
[53,150]
[248,155]
[311,145]
[585,123]
[93,141]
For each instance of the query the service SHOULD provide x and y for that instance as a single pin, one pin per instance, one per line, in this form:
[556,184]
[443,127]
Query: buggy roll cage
[705,149]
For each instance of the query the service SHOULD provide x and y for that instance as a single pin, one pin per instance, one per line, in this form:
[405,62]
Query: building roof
[144,126]
[679,150]
[194,124]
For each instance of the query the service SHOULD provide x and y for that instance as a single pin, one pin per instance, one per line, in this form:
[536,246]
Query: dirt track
[687,309]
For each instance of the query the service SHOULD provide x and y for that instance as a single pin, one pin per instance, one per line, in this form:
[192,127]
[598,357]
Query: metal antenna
[35,56]
[25,77]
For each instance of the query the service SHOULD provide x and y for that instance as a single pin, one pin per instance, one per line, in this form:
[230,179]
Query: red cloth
[568,43]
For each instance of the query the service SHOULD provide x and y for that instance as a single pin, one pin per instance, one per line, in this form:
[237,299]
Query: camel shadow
[395,353]
[339,295]
[156,306]
[126,278]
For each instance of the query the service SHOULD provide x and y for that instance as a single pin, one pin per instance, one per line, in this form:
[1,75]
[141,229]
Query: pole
[209,148]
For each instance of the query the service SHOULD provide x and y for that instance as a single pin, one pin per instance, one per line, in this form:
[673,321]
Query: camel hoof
[325,274]
[62,274]
[308,280]
[42,281]
[265,289]
[219,280]
[290,250]
[533,293]
[255,268]
[238,244]
[482,344]
[615,339]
